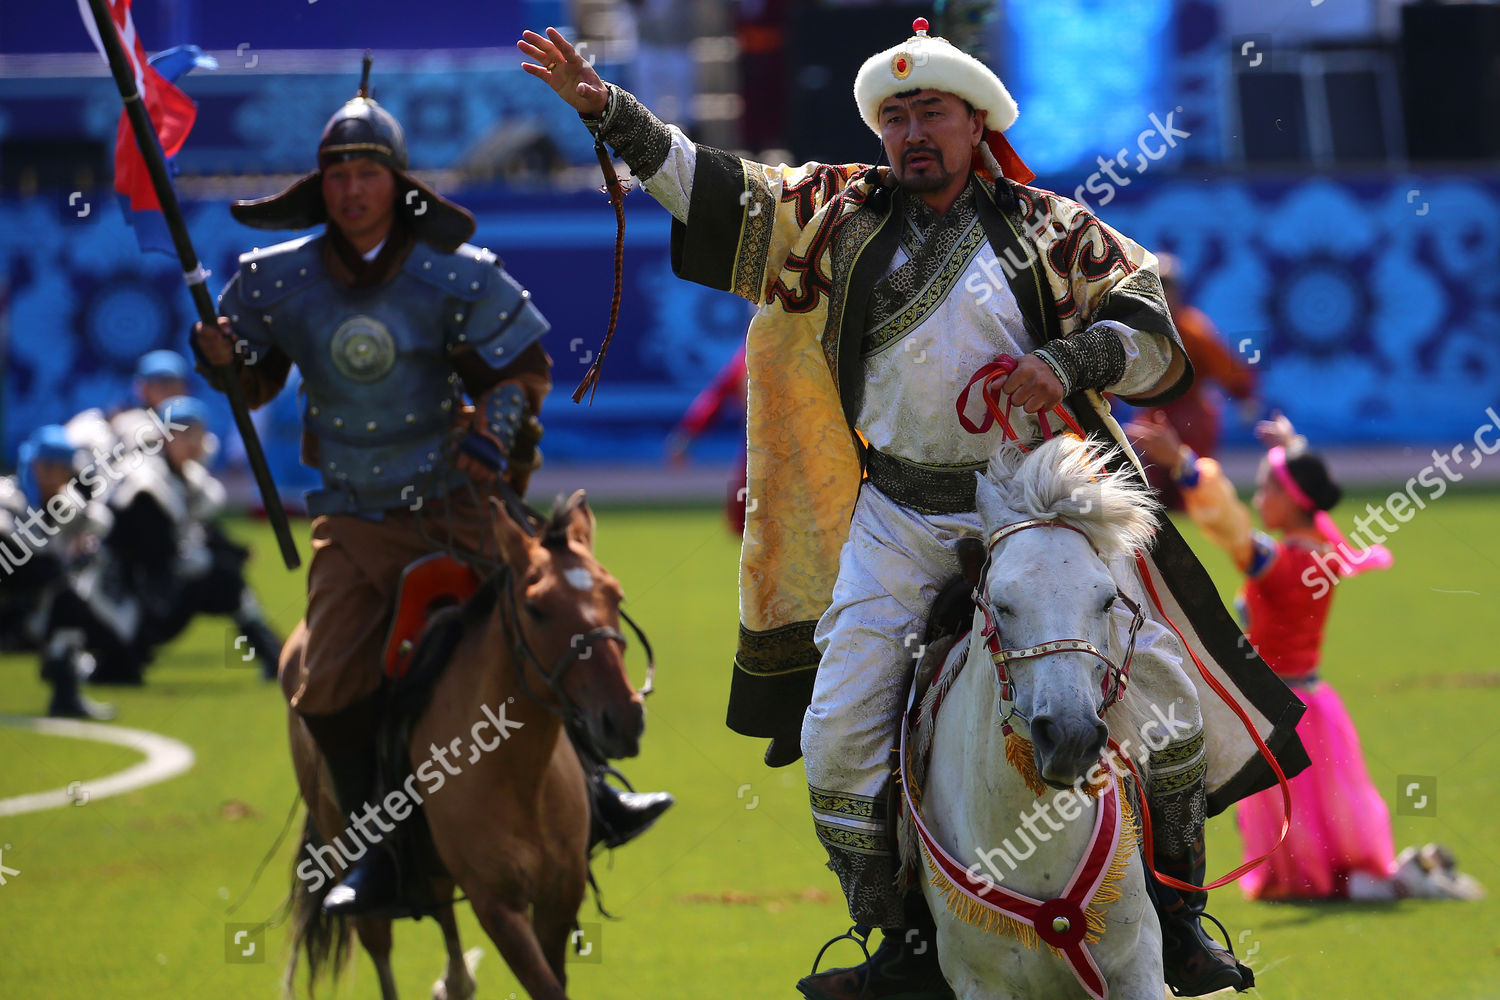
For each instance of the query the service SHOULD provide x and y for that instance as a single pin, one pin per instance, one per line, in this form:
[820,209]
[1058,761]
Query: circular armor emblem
[901,65]
[363,349]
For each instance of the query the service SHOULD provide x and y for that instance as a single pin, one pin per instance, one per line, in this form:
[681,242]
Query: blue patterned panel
[1374,303]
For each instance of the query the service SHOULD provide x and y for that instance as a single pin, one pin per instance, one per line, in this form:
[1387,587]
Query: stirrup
[858,933]
[1204,985]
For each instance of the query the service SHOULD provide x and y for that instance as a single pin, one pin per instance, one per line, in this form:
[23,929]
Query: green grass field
[129,897]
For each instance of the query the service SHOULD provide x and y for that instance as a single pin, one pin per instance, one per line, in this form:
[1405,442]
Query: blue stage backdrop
[1370,307]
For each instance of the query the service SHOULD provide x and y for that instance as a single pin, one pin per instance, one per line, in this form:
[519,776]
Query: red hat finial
[919,27]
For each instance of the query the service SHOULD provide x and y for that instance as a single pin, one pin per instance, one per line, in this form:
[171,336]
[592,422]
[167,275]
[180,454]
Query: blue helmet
[162,365]
[48,443]
[187,410]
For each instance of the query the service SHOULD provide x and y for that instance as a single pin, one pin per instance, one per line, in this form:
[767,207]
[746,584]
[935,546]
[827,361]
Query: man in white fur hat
[881,291]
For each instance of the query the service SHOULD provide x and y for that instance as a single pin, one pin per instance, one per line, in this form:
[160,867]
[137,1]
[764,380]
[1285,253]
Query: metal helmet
[361,128]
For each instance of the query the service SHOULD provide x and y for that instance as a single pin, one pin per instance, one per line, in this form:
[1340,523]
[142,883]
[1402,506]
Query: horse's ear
[580,520]
[513,540]
[971,553]
[993,509]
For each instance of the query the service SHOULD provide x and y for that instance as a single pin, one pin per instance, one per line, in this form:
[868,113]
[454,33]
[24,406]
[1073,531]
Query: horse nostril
[1101,737]
[1044,734]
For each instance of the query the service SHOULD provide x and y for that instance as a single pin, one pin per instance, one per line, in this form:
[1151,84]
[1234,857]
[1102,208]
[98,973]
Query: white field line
[165,758]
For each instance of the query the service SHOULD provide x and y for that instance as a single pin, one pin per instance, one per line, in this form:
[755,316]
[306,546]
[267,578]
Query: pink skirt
[1340,824]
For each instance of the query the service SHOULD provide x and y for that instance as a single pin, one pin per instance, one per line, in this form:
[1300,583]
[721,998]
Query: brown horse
[511,827]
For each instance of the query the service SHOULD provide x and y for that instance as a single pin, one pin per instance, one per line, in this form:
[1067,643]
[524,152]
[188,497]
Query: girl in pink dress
[1339,844]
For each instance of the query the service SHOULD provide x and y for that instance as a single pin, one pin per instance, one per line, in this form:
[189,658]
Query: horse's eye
[535,612]
[1109,604]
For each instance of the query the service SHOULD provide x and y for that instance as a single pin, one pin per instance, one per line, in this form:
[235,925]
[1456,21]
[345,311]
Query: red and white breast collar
[1061,922]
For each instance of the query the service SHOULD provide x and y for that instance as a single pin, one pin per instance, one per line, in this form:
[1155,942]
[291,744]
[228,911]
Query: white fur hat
[927,63]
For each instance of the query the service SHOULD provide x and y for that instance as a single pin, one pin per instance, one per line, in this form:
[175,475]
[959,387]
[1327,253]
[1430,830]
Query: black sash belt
[925,489]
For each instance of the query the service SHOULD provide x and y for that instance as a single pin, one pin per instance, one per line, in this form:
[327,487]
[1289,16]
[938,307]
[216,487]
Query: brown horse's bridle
[581,647]
[1116,675]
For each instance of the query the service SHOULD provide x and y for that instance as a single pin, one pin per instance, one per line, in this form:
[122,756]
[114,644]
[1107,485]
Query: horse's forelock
[1066,478]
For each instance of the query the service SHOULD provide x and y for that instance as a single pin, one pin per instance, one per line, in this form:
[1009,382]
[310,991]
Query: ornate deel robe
[807,245]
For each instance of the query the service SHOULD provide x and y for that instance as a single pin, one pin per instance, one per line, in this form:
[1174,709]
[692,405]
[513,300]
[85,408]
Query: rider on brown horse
[393,320]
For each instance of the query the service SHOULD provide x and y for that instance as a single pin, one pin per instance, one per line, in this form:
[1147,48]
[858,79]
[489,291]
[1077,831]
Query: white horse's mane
[1066,478]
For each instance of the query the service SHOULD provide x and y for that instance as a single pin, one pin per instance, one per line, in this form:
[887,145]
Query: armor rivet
[370,426]
[462,338]
[313,410]
[302,272]
[338,421]
[333,466]
[499,351]
[458,317]
[267,320]
[254,267]
[375,470]
[234,319]
[432,456]
[1060,925]
[504,316]
[447,405]
[525,293]
[452,276]
[495,428]
[427,265]
[474,285]
[278,282]
[255,294]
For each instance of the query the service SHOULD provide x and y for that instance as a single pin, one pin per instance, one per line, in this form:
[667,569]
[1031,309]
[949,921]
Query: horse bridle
[581,647]
[1116,675]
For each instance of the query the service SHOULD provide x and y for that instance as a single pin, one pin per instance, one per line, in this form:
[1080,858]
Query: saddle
[428,586]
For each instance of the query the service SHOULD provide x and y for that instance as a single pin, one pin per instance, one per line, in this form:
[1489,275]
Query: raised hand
[1276,431]
[1155,439]
[561,67]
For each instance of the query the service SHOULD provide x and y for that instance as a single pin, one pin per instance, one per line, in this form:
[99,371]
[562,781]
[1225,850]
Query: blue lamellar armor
[380,393]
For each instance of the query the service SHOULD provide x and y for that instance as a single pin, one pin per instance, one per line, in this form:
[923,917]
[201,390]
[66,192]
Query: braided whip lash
[616,192]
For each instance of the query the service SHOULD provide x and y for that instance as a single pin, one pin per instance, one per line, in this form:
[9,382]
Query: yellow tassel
[1019,754]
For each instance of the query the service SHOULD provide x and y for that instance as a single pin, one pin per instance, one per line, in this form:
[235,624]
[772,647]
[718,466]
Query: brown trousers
[352,584]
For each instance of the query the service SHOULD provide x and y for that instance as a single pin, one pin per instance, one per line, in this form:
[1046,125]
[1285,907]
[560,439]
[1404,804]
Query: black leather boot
[347,741]
[60,670]
[618,817]
[372,884]
[67,701]
[1193,963]
[904,967]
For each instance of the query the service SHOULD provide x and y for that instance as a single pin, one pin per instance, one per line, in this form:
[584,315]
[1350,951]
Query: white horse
[989,813]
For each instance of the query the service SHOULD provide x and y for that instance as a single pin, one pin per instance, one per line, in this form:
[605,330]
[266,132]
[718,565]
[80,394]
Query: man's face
[155,391]
[929,137]
[185,446]
[361,199]
[51,477]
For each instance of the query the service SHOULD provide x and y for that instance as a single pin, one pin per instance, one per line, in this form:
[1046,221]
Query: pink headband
[1374,557]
